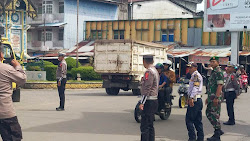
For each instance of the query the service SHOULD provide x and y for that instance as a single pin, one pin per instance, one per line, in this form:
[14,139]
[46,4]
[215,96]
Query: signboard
[16,40]
[226,15]
[205,59]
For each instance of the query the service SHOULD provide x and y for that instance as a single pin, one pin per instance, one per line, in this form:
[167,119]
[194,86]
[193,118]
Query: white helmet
[167,62]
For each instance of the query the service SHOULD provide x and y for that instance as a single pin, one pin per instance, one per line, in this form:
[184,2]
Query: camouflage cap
[214,58]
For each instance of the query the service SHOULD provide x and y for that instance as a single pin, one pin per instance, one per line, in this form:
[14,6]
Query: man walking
[215,84]
[61,76]
[195,105]
[231,91]
[10,128]
[149,102]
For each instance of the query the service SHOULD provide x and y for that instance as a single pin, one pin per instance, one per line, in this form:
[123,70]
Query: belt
[198,96]
[152,98]
[229,90]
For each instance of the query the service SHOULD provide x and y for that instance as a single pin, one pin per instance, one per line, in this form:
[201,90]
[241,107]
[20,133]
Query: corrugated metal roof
[200,51]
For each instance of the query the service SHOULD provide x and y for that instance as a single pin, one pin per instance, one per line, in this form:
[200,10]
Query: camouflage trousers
[213,114]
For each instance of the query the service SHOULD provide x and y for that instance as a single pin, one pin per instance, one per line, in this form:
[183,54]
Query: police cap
[192,64]
[61,55]
[148,56]
[230,64]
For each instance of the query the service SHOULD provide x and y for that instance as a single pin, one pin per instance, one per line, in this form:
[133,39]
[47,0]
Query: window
[119,34]
[61,34]
[47,7]
[99,34]
[167,35]
[40,8]
[61,7]
[224,38]
[29,35]
[116,34]
[49,35]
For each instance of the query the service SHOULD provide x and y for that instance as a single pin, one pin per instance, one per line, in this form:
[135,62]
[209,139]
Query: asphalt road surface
[92,115]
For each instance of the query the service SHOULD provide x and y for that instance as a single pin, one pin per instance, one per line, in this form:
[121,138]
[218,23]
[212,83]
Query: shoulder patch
[146,75]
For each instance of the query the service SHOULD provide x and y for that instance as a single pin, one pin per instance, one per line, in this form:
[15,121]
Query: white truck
[120,63]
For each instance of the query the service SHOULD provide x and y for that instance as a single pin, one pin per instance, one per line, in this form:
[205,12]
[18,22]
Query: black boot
[216,136]
[229,123]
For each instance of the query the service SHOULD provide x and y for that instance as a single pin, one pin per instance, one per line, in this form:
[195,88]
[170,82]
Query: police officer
[215,84]
[231,91]
[195,105]
[61,76]
[149,102]
[10,128]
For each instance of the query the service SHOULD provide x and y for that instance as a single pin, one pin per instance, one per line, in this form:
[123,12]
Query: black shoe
[191,140]
[221,132]
[200,140]
[60,109]
[229,123]
[216,136]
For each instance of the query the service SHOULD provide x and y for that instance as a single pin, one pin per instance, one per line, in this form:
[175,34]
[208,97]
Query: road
[91,115]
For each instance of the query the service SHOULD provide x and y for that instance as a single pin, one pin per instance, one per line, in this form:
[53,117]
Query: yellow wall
[151,30]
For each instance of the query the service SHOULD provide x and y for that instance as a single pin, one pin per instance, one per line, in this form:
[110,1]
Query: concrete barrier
[36,75]
[53,85]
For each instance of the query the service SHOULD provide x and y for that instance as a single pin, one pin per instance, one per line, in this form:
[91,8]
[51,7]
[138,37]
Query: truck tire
[136,91]
[112,91]
[16,95]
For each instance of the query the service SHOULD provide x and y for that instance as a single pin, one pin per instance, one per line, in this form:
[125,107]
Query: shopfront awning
[52,25]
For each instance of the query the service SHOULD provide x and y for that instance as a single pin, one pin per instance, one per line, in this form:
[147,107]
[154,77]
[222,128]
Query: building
[13,16]
[162,9]
[57,21]
[192,43]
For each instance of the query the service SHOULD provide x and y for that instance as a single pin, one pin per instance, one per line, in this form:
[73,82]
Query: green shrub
[71,63]
[34,68]
[47,63]
[50,72]
[87,73]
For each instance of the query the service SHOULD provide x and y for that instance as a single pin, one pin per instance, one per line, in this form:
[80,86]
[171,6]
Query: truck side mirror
[1,30]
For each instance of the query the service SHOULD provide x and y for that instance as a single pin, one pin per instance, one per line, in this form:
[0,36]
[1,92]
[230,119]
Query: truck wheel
[16,95]
[112,91]
[136,91]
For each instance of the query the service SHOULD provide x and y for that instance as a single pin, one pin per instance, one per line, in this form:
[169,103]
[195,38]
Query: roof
[201,51]
[52,24]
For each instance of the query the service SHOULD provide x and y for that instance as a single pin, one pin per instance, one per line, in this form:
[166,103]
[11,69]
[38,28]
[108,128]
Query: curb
[53,85]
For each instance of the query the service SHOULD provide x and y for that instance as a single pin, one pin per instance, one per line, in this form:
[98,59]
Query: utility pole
[44,29]
[77,45]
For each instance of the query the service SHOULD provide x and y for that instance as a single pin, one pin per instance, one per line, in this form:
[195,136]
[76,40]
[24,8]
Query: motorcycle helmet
[241,66]
[167,62]
[159,66]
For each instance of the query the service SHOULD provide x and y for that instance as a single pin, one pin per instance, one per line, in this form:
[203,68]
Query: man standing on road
[61,76]
[195,105]
[10,128]
[149,102]
[231,91]
[215,84]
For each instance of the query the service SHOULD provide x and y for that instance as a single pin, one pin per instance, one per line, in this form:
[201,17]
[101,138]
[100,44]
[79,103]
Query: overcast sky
[200,6]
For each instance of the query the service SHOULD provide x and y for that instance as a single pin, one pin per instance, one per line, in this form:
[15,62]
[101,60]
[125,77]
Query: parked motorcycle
[243,83]
[183,92]
[164,114]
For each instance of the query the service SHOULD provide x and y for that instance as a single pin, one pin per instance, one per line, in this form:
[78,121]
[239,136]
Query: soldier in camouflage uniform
[215,84]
